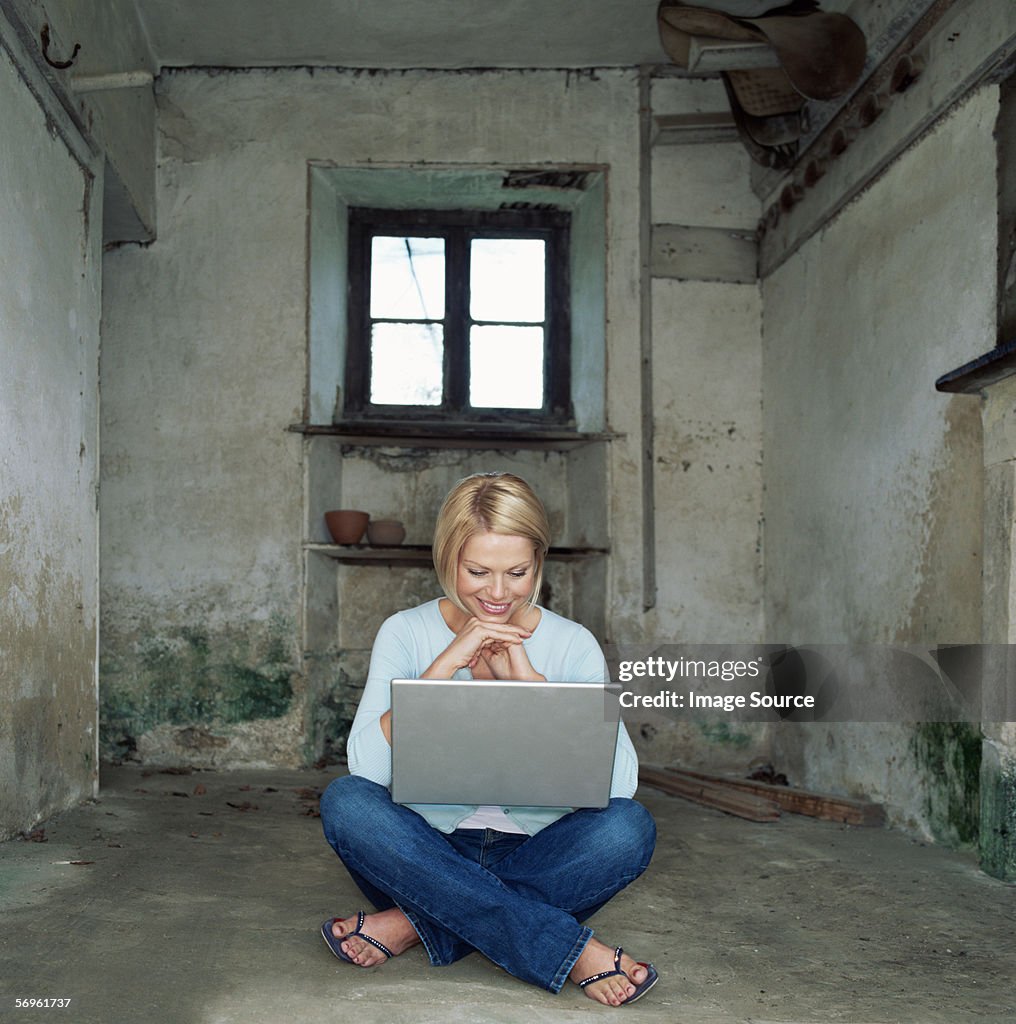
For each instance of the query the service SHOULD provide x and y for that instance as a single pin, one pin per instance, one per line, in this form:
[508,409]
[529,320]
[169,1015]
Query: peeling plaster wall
[707,398]
[204,369]
[998,762]
[708,486]
[873,503]
[50,208]
[202,373]
[707,443]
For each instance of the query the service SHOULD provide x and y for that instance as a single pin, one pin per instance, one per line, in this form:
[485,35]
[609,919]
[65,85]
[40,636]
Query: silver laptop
[499,742]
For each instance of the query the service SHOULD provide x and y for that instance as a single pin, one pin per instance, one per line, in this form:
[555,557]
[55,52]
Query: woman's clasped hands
[491,650]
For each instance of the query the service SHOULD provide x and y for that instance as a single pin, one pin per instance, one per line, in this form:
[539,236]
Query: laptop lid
[546,744]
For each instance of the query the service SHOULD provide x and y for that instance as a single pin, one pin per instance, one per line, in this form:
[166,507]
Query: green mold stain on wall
[720,732]
[339,686]
[949,753]
[333,718]
[195,676]
[998,818]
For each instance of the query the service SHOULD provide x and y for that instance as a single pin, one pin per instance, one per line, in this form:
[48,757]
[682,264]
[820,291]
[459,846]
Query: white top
[408,643]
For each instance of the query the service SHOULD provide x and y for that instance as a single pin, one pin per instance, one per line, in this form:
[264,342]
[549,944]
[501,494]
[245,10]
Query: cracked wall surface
[50,208]
[873,504]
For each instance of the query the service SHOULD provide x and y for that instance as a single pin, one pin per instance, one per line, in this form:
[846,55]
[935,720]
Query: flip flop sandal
[335,945]
[640,990]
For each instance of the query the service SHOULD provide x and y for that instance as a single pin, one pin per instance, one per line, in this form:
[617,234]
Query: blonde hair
[488,503]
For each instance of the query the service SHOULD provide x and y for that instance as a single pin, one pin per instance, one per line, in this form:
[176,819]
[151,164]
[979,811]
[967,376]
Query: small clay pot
[385,533]
[346,525]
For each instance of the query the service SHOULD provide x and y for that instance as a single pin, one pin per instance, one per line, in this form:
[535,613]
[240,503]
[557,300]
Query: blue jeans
[517,899]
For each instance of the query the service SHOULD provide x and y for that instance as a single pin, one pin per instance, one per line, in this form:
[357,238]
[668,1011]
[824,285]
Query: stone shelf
[419,554]
[465,435]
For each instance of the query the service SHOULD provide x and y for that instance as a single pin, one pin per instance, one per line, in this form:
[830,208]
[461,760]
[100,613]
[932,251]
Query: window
[459,315]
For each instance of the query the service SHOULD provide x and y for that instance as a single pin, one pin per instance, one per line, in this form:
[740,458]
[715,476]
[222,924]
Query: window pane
[407,278]
[506,367]
[506,280]
[406,364]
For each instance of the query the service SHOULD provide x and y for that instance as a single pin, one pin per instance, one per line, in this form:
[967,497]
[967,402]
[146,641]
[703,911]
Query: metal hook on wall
[59,64]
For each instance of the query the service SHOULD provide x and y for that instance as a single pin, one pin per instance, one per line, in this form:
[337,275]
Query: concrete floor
[199,899]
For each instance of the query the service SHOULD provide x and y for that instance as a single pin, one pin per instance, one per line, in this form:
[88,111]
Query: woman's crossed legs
[518,900]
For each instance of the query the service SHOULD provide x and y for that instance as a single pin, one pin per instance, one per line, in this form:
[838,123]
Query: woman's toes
[610,991]
[618,991]
[361,957]
[361,953]
[615,990]
[623,990]
[638,974]
[601,993]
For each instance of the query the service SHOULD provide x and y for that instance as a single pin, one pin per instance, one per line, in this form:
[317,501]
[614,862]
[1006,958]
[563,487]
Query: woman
[512,883]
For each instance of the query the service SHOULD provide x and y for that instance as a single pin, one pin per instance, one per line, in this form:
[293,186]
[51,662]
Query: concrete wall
[204,368]
[998,761]
[203,371]
[707,396]
[873,504]
[707,430]
[50,209]
[225,642]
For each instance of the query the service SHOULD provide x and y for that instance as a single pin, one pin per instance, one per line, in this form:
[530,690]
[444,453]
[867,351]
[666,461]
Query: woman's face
[495,576]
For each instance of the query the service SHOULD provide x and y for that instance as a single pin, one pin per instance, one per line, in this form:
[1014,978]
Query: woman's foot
[597,958]
[389,927]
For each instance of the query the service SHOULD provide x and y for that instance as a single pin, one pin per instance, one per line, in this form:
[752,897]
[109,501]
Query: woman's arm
[368,748]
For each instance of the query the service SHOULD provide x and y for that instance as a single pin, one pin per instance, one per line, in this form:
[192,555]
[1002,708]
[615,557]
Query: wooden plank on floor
[798,801]
[722,798]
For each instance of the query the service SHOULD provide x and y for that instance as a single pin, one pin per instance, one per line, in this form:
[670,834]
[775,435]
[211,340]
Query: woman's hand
[477,640]
[510,662]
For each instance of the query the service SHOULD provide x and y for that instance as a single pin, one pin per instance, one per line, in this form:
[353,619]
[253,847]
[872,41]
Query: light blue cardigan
[409,641]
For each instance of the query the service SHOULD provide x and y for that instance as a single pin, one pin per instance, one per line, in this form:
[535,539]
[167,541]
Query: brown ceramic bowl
[346,525]
[385,533]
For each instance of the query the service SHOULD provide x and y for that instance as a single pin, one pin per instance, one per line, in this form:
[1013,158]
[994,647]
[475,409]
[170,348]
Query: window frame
[458,227]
